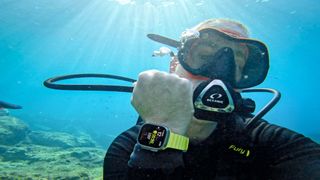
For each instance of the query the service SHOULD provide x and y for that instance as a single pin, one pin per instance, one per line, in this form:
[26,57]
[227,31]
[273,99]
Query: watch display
[152,136]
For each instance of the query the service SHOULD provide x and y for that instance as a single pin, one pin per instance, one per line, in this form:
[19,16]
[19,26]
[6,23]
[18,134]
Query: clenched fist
[164,99]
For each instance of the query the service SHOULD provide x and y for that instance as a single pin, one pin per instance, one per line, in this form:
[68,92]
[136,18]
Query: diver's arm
[144,164]
[118,154]
[164,99]
[159,98]
[165,164]
[288,155]
[118,164]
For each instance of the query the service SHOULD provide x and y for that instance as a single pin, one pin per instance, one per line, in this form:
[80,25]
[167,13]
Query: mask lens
[201,56]
[254,66]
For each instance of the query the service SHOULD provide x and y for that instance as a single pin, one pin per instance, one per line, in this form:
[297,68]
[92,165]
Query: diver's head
[221,49]
[220,60]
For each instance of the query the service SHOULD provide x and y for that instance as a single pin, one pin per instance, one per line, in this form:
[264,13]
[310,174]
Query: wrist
[155,138]
[166,159]
[179,126]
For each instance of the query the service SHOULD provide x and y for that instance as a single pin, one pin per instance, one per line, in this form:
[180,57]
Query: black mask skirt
[221,64]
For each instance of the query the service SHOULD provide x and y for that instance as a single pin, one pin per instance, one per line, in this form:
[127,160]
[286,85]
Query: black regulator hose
[49,83]
[266,108]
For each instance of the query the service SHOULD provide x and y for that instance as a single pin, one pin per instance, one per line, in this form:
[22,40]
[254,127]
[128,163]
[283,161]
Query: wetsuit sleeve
[286,154]
[126,160]
[117,157]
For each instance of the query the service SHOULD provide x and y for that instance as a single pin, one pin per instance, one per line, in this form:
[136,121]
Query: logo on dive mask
[214,99]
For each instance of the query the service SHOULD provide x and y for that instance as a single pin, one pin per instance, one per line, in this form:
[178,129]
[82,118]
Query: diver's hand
[164,99]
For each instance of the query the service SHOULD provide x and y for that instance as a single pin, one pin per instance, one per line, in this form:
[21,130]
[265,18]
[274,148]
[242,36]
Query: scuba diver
[193,122]
[5,105]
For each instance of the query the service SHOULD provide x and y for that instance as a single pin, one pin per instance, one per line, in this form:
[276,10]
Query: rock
[103,140]
[4,112]
[29,161]
[26,154]
[15,154]
[3,149]
[12,130]
[59,139]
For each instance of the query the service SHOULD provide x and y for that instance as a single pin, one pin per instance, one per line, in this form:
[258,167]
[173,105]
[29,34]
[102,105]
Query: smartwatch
[155,137]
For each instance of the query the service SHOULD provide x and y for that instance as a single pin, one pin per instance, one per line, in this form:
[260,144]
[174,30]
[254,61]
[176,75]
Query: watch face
[152,135]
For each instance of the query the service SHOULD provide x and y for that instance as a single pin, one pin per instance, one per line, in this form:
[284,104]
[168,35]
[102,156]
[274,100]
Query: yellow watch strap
[177,141]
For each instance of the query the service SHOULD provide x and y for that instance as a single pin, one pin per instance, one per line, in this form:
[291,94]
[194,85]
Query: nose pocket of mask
[221,65]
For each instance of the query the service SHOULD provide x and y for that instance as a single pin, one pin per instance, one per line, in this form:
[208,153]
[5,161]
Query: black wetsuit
[231,152]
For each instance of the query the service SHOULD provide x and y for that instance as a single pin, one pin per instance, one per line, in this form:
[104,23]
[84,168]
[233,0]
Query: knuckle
[159,74]
[184,82]
[142,75]
[186,85]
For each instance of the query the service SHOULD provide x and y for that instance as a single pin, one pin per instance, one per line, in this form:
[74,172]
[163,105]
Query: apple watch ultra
[156,137]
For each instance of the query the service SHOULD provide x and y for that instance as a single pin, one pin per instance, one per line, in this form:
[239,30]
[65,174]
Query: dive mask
[211,53]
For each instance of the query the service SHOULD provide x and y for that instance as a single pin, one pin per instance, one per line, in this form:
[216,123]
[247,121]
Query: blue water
[41,39]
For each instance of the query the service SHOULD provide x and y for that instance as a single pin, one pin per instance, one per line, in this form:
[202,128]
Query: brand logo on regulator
[216,98]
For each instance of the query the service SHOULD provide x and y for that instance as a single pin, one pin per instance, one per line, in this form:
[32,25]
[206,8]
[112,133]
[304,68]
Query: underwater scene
[49,133]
